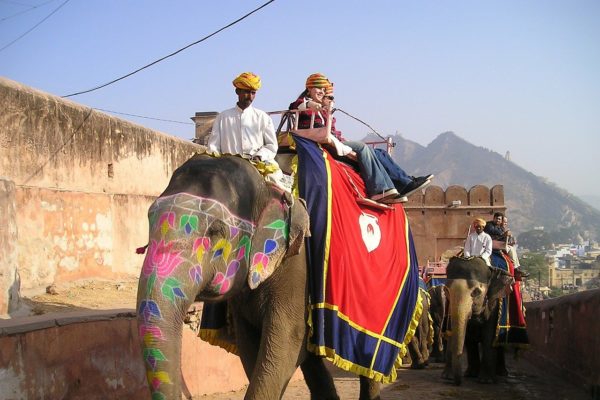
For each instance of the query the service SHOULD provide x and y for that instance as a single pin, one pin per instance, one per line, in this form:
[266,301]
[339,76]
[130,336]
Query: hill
[531,200]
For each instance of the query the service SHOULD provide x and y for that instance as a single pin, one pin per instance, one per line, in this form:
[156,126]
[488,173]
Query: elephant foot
[471,373]
[486,379]
[420,365]
[447,375]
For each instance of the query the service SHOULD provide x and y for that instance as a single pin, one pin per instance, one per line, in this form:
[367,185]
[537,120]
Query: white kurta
[246,132]
[479,245]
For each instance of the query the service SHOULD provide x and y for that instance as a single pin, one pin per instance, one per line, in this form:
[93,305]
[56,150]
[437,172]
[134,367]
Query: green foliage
[536,265]
[555,292]
[535,240]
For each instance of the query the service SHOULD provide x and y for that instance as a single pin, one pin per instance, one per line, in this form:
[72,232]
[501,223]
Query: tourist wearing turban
[478,242]
[378,185]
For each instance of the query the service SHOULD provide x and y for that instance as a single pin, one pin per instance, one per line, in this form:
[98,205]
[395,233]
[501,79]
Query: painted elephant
[474,290]
[438,309]
[219,232]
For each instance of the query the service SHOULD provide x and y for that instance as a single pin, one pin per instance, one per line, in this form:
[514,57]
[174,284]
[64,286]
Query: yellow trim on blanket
[328,233]
[349,366]
[411,330]
[330,353]
[212,336]
[354,325]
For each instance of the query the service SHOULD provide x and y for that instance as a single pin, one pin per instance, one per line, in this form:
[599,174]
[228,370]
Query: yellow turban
[479,221]
[247,81]
[329,89]
[317,80]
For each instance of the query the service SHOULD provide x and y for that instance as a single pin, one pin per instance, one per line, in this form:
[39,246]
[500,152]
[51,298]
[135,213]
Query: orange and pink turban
[247,81]
[317,80]
[329,89]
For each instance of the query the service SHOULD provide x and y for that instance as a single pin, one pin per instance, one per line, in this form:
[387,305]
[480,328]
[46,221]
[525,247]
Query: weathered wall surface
[9,277]
[439,222]
[64,357]
[83,183]
[564,335]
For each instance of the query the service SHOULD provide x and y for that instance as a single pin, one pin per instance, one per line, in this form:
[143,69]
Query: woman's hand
[313,105]
[352,156]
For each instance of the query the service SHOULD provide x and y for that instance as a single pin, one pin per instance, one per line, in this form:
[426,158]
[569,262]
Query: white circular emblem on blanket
[369,229]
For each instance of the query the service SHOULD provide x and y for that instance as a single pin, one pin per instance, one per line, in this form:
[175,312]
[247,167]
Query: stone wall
[564,336]
[96,355]
[83,182]
[440,220]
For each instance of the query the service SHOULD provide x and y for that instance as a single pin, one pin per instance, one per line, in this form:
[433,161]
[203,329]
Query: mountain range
[531,201]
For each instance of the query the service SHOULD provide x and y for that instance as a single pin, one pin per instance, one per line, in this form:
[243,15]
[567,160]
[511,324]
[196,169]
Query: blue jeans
[396,174]
[370,168]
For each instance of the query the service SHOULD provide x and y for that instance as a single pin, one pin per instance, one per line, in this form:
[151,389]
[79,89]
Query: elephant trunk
[160,325]
[460,311]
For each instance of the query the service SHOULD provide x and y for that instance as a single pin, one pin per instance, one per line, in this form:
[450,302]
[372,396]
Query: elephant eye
[476,292]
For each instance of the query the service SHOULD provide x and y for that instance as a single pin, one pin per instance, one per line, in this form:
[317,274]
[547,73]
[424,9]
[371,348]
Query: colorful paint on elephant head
[182,244]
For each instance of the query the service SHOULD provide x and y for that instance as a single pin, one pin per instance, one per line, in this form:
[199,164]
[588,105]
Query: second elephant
[474,291]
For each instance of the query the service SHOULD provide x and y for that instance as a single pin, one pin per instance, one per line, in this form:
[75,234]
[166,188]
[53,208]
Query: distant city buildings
[573,266]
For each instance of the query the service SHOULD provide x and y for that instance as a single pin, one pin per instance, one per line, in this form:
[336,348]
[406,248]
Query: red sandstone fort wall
[440,220]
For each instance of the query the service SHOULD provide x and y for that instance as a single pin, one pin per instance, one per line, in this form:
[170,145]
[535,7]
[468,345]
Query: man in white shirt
[247,131]
[479,243]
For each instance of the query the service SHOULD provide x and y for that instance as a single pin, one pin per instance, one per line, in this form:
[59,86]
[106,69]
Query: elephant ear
[279,232]
[500,284]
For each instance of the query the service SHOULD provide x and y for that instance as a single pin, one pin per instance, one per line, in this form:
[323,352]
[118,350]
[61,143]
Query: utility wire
[362,122]
[36,25]
[141,116]
[172,54]
[17,3]
[24,11]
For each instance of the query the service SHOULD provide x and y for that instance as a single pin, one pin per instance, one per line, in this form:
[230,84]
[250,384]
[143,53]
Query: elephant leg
[414,348]
[277,359]
[472,346]
[318,378]
[369,389]
[248,343]
[501,362]
[489,357]
[277,310]
[473,361]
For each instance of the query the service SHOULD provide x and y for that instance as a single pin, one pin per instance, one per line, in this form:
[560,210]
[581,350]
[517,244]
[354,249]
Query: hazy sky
[520,76]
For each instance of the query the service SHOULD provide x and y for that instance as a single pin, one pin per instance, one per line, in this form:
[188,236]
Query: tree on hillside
[536,265]
[535,240]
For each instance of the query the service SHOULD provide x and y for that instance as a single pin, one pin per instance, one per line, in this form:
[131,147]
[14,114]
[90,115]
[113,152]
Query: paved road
[526,382]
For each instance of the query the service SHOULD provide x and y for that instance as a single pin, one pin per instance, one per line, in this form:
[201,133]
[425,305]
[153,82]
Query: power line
[24,11]
[17,3]
[36,25]
[141,116]
[361,121]
[172,54]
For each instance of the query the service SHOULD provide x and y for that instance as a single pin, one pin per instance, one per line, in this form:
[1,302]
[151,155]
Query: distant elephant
[474,290]
[420,344]
[220,232]
[438,309]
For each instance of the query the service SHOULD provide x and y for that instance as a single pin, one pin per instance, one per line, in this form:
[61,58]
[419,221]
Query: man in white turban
[478,242]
